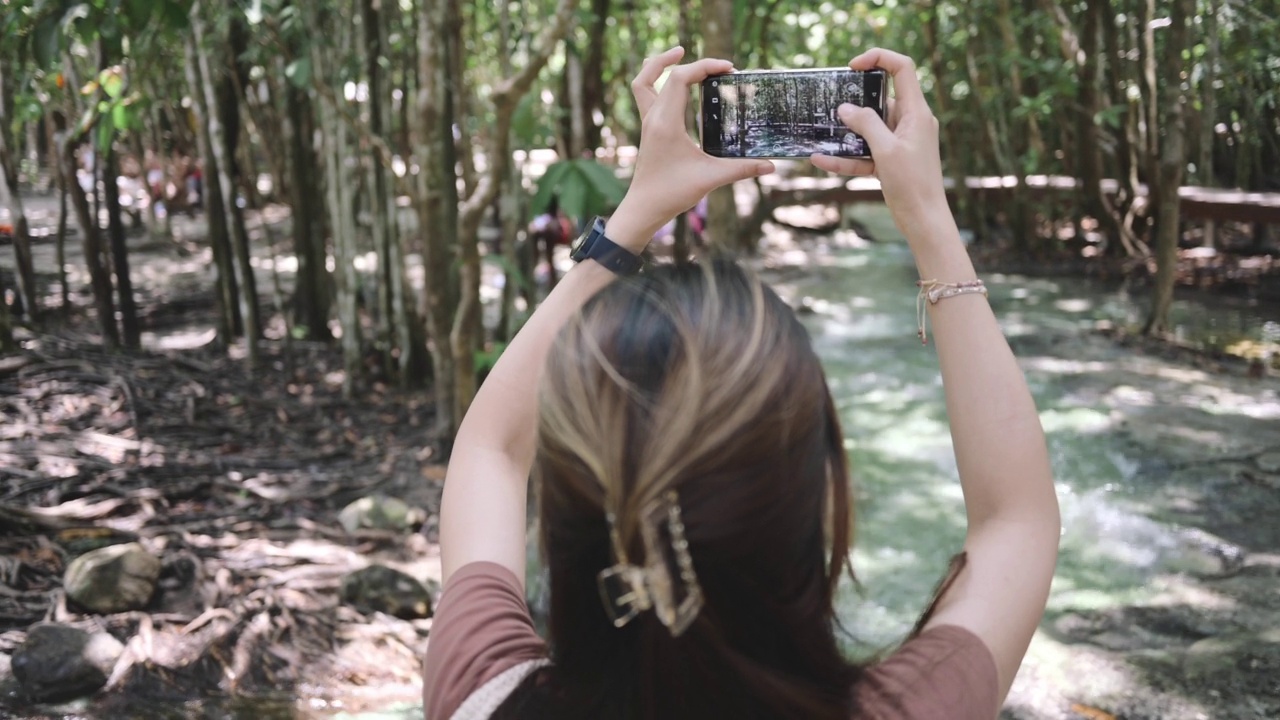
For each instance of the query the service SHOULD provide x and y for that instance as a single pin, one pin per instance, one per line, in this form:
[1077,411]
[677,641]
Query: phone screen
[786,113]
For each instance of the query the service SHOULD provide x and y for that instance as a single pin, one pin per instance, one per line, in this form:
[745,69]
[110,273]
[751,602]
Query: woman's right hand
[905,148]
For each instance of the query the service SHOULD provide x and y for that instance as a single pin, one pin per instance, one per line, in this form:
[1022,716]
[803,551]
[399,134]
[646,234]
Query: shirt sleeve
[946,671]
[482,627]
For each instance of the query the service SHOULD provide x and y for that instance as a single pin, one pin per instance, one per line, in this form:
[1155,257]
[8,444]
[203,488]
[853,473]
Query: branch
[505,96]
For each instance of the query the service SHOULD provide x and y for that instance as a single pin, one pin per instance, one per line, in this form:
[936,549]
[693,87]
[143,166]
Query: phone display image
[786,114]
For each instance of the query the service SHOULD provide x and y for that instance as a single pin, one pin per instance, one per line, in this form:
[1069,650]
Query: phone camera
[715,83]
[715,100]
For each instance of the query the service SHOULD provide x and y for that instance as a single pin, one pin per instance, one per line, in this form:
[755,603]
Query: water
[909,505]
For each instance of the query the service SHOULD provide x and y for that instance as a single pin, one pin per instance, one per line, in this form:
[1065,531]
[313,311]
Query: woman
[692,480]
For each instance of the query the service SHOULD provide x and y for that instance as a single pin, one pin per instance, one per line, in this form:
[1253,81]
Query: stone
[379,588]
[1228,656]
[112,579]
[59,662]
[1269,462]
[379,512]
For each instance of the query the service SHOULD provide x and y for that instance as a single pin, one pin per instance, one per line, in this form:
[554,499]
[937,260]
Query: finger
[674,97]
[844,166]
[727,170]
[906,84]
[642,87]
[867,123]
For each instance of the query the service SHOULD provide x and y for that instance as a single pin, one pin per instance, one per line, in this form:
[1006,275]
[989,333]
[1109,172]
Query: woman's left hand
[672,173]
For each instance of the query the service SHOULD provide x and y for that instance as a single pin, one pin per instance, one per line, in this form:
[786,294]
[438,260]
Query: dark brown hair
[698,379]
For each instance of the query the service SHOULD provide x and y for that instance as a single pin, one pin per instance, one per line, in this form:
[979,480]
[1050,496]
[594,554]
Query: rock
[379,512]
[1206,555]
[112,579]
[1226,656]
[80,540]
[379,588]
[59,662]
[1269,462]
[806,306]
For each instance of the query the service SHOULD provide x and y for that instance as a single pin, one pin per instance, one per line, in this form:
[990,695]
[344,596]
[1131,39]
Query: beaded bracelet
[935,290]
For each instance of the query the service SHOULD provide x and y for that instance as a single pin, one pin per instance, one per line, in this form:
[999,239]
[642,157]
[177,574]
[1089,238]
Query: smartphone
[787,113]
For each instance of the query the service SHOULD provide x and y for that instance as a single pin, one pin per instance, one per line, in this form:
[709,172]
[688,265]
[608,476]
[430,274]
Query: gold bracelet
[935,290]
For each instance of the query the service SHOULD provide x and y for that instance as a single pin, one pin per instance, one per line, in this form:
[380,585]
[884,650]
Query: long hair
[697,379]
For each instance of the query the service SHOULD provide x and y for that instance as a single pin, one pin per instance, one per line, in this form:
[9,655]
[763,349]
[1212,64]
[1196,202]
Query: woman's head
[698,380]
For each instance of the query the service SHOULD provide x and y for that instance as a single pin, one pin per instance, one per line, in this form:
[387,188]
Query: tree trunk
[505,96]
[722,210]
[312,293]
[1090,151]
[132,335]
[1209,112]
[680,234]
[437,204]
[7,344]
[339,184]
[397,317]
[9,161]
[92,242]
[60,241]
[1173,163]
[226,289]
[221,145]
[593,67]
[951,146]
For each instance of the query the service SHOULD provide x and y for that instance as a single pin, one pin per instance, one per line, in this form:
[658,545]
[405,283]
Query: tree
[1172,166]
[9,158]
[222,123]
[722,209]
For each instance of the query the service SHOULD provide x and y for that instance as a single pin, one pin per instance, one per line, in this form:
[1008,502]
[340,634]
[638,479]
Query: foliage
[582,186]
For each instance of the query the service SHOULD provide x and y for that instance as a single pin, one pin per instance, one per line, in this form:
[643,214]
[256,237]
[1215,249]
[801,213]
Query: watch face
[581,246]
[582,240]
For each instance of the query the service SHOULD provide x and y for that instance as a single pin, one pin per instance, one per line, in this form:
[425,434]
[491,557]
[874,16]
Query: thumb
[867,123]
[732,170]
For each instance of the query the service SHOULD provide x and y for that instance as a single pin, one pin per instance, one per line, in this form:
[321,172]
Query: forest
[256,256]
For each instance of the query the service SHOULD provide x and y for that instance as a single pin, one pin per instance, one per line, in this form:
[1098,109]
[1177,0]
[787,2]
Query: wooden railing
[1198,203]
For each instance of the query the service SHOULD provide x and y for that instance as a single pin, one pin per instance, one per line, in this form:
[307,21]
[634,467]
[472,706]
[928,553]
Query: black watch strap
[594,245]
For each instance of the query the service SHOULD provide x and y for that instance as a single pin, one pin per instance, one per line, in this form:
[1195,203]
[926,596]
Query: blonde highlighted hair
[697,379]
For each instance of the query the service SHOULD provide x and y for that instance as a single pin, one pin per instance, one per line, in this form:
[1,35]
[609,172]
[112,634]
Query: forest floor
[236,481]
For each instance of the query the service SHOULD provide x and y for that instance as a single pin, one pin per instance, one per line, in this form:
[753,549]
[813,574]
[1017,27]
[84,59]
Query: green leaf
[112,81]
[121,117]
[574,190]
[46,41]
[174,14]
[603,179]
[547,187]
[524,122]
[75,14]
[299,72]
[106,132]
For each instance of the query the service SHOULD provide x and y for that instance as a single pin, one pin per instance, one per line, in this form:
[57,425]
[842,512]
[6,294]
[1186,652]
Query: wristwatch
[593,244]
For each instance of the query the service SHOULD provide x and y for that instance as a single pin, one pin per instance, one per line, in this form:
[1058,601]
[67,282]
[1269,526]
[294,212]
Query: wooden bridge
[1198,203]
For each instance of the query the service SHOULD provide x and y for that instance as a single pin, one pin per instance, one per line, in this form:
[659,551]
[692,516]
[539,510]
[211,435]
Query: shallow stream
[910,517]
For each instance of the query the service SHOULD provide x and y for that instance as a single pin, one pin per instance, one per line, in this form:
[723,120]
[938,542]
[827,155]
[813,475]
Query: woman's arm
[482,514]
[1012,510]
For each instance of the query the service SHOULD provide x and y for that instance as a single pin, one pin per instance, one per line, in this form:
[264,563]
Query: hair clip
[628,590]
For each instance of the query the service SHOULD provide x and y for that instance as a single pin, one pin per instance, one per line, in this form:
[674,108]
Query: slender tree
[1172,166]
[9,158]
[722,209]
